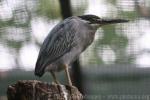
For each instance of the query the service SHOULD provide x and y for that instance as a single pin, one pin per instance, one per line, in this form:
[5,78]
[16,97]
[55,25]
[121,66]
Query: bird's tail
[37,73]
[39,68]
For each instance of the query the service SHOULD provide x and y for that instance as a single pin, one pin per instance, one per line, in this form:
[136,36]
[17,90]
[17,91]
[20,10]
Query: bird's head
[96,21]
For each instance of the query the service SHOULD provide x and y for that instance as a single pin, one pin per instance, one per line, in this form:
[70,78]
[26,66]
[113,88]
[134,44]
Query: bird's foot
[56,82]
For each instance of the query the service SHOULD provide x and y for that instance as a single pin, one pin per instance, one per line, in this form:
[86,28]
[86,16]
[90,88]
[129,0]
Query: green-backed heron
[67,41]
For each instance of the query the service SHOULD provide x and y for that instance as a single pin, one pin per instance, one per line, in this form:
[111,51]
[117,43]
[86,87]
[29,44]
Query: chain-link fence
[114,67]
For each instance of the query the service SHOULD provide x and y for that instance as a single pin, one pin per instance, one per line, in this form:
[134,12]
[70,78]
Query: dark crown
[91,18]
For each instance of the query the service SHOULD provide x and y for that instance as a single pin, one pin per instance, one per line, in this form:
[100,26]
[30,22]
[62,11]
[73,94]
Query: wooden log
[37,90]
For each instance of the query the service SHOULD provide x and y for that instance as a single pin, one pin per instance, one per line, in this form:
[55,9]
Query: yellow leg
[68,76]
[54,77]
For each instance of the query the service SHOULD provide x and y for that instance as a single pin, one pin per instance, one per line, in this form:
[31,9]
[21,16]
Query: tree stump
[37,90]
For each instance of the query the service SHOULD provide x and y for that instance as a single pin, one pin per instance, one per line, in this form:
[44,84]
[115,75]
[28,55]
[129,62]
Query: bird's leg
[68,76]
[54,77]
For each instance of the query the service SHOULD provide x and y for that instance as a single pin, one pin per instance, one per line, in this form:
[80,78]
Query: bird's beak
[111,21]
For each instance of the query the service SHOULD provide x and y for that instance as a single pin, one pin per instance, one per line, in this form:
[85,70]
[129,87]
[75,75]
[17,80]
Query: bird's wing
[57,43]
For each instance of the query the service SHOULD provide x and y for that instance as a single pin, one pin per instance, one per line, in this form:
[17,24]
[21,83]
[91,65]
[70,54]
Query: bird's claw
[56,83]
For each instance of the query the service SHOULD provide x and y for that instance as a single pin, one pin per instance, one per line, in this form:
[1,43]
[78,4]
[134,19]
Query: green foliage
[128,14]
[6,23]
[49,9]
[14,44]
[109,35]
[112,1]
[116,42]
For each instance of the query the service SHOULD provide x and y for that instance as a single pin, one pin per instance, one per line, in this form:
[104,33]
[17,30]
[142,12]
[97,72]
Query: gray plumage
[67,41]
[62,41]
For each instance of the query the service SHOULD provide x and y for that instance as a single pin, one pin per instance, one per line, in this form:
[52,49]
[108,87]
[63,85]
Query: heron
[66,41]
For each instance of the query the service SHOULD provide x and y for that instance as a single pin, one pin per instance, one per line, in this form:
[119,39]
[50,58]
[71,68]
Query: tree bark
[37,90]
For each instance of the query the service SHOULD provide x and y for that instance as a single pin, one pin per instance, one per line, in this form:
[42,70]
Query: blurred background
[115,67]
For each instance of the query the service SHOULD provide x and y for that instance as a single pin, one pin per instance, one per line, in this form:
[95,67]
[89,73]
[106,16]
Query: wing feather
[57,43]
